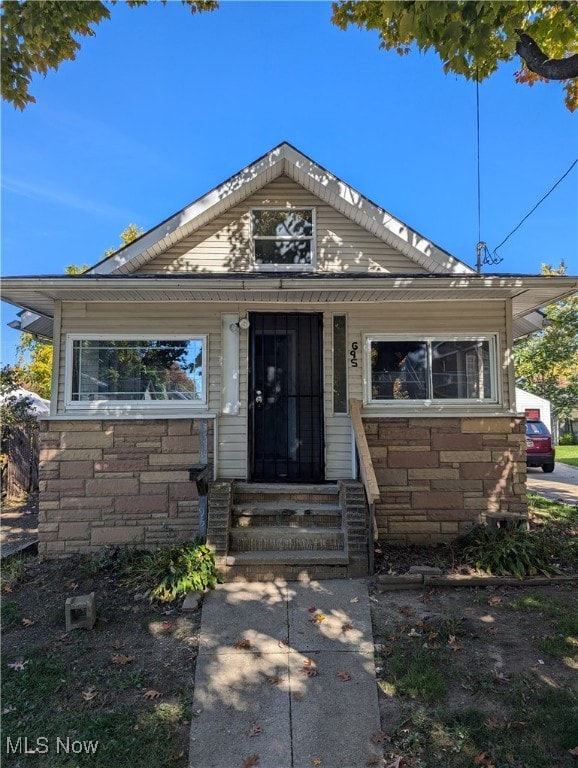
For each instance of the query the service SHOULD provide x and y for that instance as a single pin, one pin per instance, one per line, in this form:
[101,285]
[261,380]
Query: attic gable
[283,160]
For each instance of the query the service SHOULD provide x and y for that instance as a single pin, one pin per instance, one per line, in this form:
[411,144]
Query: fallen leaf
[28,623]
[453,644]
[308,662]
[120,658]
[298,696]
[432,635]
[516,725]
[574,751]
[405,610]
[379,737]
[72,585]
[492,630]
[89,694]
[316,761]
[117,645]
[251,761]
[166,625]
[309,671]
[313,609]
[493,722]
[318,618]
[484,759]
[399,762]
[275,680]
[354,600]
[345,677]
[151,694]
[242,645]
[284,642]
[374,760]
[499,677]
[18,665]
[255,729]
[494,601]
[347,627]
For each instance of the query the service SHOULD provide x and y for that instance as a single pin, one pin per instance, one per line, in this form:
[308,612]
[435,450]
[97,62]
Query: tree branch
[537,61]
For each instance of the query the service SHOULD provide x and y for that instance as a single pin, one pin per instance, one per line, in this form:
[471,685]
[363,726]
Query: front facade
[238,333]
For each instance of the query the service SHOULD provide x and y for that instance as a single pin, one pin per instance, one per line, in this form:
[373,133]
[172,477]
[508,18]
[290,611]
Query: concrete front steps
[286,531]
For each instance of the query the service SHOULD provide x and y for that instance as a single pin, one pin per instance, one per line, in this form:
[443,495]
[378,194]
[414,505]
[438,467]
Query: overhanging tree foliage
[546,363]
[34,362]
[38,35]
[473,38]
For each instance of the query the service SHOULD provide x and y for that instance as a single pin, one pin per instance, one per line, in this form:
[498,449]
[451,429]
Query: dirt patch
[463,672]
[135,649]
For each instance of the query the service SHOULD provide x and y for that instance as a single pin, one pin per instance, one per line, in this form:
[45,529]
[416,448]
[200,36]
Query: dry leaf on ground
[499,677]
[242,645]
[151,694]
[317,761]
[298,696]
[309,671]
[18,665]
[28,623]
[89,694]
[255,729]
[274,679]
[453,643]
[483,759]
[120,658]
[318,618]
[313,609]
[251,761]
[117,645]
[379,737]
[574,751]
[494,600]
[347,627]
[345,677]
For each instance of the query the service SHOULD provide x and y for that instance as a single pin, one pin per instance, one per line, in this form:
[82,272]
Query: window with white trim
[145,370]
[283,237]
[417,368]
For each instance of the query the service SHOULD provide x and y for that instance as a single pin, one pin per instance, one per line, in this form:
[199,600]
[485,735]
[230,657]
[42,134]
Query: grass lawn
[567,454]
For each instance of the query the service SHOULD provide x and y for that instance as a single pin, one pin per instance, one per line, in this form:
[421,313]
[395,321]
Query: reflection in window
[137,369]
[283,236]
[431,370]
[339,364]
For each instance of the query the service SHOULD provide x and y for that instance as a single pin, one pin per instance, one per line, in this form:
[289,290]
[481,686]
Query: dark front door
[286,397]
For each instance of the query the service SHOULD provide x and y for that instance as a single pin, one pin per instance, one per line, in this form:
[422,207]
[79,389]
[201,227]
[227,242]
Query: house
[534,406]
[293,336]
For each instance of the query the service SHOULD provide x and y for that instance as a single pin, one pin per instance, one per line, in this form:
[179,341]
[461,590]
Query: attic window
[283,237]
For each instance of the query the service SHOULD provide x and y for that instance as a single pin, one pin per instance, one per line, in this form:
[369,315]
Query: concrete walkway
[559,485]
[285,672]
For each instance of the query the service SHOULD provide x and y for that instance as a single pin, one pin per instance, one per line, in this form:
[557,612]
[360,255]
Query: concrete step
[253,539]
[294,558]
[287,514]
[268,492]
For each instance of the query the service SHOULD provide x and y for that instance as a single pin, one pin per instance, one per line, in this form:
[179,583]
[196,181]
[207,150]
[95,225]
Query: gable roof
[282,160]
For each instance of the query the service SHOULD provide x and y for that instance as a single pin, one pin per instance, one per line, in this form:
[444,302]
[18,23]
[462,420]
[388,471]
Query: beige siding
[224,245]
[204,318]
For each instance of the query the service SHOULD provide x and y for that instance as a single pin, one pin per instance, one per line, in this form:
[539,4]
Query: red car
[539,449]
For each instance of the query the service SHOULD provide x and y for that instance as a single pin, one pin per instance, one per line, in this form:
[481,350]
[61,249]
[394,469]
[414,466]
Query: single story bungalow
[336,372]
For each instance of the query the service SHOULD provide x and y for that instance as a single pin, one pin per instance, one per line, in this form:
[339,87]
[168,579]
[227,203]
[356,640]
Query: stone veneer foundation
[440,476]
[116,482]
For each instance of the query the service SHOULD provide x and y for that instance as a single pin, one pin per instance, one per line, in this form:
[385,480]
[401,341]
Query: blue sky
[161,106]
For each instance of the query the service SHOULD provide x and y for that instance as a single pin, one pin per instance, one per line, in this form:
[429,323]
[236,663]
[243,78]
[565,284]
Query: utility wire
[549,192]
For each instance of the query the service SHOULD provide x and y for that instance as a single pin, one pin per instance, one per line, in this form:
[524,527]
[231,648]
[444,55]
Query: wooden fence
[20,475]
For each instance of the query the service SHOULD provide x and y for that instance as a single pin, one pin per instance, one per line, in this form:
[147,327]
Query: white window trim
[133,405]
[285,267]
[440,403]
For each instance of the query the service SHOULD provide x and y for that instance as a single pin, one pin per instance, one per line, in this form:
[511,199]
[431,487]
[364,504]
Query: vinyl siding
[224,245]
[203,318]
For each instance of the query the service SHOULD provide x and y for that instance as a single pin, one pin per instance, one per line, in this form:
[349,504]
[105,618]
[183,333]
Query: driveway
[559,485]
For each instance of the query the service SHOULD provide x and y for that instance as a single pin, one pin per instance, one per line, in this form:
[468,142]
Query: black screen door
[286,397]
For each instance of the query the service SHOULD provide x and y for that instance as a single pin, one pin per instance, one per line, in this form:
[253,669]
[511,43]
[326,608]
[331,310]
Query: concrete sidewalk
[285,672]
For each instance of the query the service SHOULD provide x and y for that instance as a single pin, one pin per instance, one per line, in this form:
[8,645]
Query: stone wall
[118,482]
[440,476]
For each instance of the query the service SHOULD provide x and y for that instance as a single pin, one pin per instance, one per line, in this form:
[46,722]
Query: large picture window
[453,369]
[150,371]
[283,237]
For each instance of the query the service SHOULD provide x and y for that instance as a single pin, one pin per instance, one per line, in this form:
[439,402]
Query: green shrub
[505,551]
[170,572]
[567,439]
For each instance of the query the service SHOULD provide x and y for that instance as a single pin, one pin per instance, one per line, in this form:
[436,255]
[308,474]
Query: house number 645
[353,354]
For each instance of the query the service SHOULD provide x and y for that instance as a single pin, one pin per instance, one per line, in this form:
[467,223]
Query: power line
[549,192]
